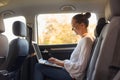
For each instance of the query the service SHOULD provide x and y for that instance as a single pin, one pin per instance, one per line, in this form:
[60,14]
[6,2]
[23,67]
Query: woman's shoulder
[89,37]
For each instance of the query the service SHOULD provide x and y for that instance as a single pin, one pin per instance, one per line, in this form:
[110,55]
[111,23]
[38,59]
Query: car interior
[17,56]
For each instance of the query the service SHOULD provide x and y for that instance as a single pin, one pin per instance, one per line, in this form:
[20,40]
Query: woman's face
[76,27]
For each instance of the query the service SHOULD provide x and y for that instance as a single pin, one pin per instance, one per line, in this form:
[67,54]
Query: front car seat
[18,48]
[18,51]
[3,42]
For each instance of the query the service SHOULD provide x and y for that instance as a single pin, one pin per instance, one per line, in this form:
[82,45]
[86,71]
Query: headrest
[100,24]
[112,9]
[2,28]
[19,29]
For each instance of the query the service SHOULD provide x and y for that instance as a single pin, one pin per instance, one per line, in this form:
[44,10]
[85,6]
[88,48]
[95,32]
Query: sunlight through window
[8,22]
[56,28]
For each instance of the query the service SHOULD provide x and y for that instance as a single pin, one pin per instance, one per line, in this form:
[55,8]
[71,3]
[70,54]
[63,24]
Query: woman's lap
[51,72]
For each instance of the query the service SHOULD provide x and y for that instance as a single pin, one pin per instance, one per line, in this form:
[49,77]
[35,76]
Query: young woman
[75,67]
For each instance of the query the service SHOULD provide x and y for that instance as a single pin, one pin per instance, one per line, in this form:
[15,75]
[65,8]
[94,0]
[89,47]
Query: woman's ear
[82,25]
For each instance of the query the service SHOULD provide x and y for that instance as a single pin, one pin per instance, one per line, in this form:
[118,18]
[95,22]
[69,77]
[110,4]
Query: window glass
[8,22]
[56,28]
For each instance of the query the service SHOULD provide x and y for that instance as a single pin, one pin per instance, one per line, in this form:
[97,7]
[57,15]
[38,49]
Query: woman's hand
[56,61]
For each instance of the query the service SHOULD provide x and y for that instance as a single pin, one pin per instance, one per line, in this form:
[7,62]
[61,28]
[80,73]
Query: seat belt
[117,76]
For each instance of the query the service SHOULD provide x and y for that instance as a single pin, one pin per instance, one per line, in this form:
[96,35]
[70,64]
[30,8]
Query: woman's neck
[84,34]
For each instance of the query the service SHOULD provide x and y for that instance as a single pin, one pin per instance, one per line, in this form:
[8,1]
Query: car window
[8,22]
[56,28]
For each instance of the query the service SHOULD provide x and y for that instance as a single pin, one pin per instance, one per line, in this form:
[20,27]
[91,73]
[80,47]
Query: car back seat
[108,45]
[100,25]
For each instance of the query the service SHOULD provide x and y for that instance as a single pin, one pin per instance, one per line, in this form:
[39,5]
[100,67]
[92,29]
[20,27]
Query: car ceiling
[33,7]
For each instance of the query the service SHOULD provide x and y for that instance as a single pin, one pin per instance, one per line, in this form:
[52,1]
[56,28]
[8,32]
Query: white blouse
[79,58]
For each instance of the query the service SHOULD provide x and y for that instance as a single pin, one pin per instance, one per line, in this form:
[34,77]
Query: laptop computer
[40,57]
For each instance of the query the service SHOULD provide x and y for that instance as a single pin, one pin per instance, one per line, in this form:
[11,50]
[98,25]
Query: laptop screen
[37,50]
